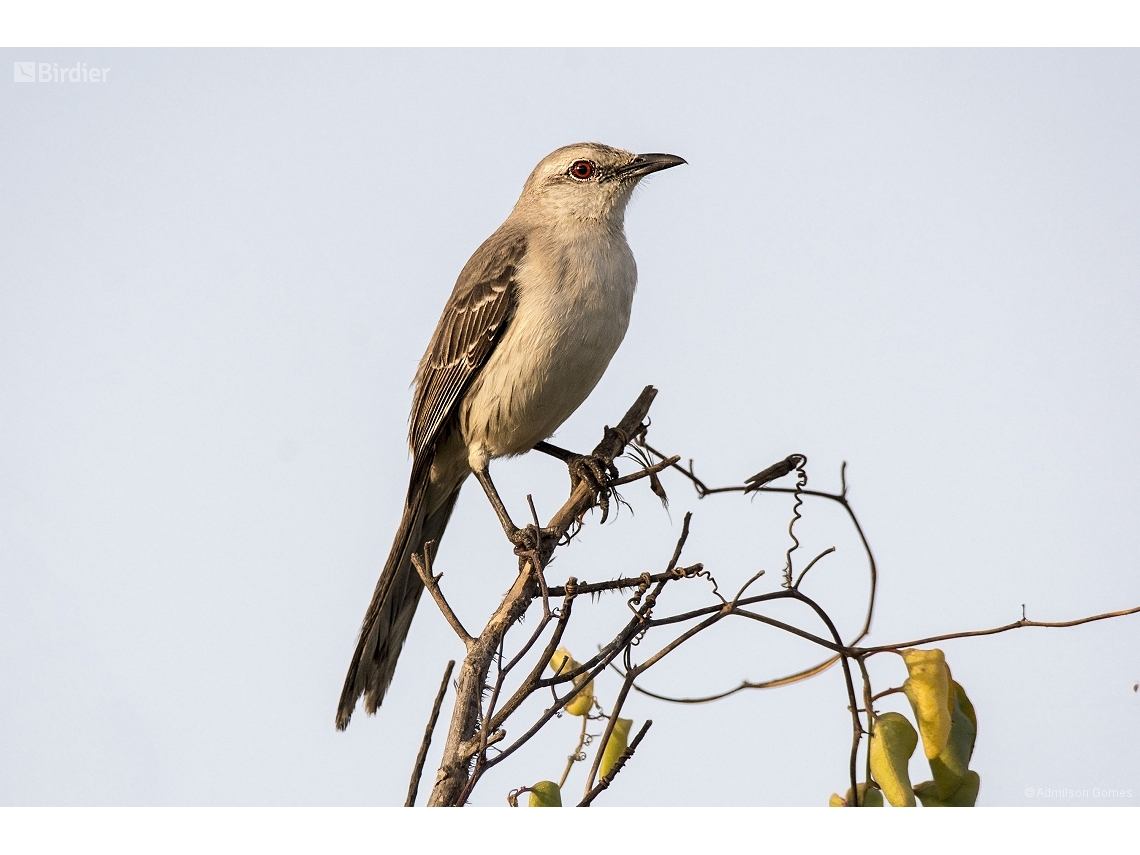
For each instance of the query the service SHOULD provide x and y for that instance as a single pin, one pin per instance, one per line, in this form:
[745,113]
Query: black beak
[644,164]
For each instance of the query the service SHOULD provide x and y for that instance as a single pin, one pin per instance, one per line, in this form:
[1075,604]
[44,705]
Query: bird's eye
[583,170]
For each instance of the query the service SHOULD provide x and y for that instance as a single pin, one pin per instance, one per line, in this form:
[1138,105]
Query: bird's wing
[479,309]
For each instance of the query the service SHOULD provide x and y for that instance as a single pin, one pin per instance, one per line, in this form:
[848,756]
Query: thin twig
[643,473]
[414,784]
[857,726]
[432,584]
[1020,624]
[869,703]
[776,683]
[671,571]
[629,581]
[811,564]
[680,542]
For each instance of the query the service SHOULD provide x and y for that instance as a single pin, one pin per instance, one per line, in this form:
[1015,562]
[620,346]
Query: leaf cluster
[948,727]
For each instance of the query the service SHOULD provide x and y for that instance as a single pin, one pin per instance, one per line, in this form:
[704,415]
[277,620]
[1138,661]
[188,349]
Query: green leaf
[545,794]
[615,745]
[965,796]
[950,767]
[928,690]
[868,796]
[893,741]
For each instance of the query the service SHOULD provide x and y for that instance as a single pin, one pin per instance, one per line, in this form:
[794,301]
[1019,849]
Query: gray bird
[534,319]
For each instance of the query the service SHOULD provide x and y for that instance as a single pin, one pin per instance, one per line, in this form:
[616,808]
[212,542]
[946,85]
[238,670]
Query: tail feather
[389,615]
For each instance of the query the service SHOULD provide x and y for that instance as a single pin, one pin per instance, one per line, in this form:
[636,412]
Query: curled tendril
[635,601]
[801,482]
[698,571]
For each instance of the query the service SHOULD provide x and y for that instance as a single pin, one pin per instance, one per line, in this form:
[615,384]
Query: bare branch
[643,473]
[856,725]
[788,680]
[680,541]
[1020,624]
[616,647]
[432,584]
[456,776]
[630,581]
[414,784]
[532,682]
[593,668]
[811,564]
[868,703]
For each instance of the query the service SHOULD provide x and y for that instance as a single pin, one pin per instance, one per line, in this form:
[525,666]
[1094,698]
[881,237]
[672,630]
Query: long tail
[389,615]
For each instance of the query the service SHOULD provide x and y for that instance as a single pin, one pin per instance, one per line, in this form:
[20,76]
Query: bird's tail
[389,615]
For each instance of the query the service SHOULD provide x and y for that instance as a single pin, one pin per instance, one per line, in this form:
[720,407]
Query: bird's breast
[573,306]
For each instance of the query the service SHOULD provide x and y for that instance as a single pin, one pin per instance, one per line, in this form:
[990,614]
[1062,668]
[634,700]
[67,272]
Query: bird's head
[588,181]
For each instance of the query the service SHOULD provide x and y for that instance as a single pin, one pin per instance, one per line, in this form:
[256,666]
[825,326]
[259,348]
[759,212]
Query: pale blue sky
[219,268]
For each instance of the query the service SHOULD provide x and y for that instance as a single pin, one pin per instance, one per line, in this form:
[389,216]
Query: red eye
[582,170]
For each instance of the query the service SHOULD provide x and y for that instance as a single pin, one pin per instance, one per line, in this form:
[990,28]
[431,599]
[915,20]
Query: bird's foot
[531,539]
[597,473]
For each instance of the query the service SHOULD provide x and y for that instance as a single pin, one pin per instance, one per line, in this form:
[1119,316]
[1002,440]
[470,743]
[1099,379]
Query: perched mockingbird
[534,319]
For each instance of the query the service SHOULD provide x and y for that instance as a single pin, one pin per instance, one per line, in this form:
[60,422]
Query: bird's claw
[531,538]
[597,473]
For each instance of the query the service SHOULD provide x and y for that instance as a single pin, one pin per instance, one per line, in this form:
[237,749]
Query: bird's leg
[585,467]
[554,451]
[525,539]
[483,476]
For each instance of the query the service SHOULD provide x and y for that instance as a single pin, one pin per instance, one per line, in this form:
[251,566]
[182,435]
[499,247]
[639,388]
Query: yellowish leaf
[545,794]
[928,689]
[950,767]
[868,797]
[583,701]
[561,662]
[893,741]
[615,745]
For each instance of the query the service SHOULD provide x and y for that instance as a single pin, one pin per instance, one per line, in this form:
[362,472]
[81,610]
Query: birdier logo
[52,72]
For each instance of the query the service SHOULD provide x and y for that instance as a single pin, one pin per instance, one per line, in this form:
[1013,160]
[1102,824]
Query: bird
[532,323]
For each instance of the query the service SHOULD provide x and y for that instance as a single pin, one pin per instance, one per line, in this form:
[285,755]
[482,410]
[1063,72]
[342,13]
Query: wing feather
[476,314]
